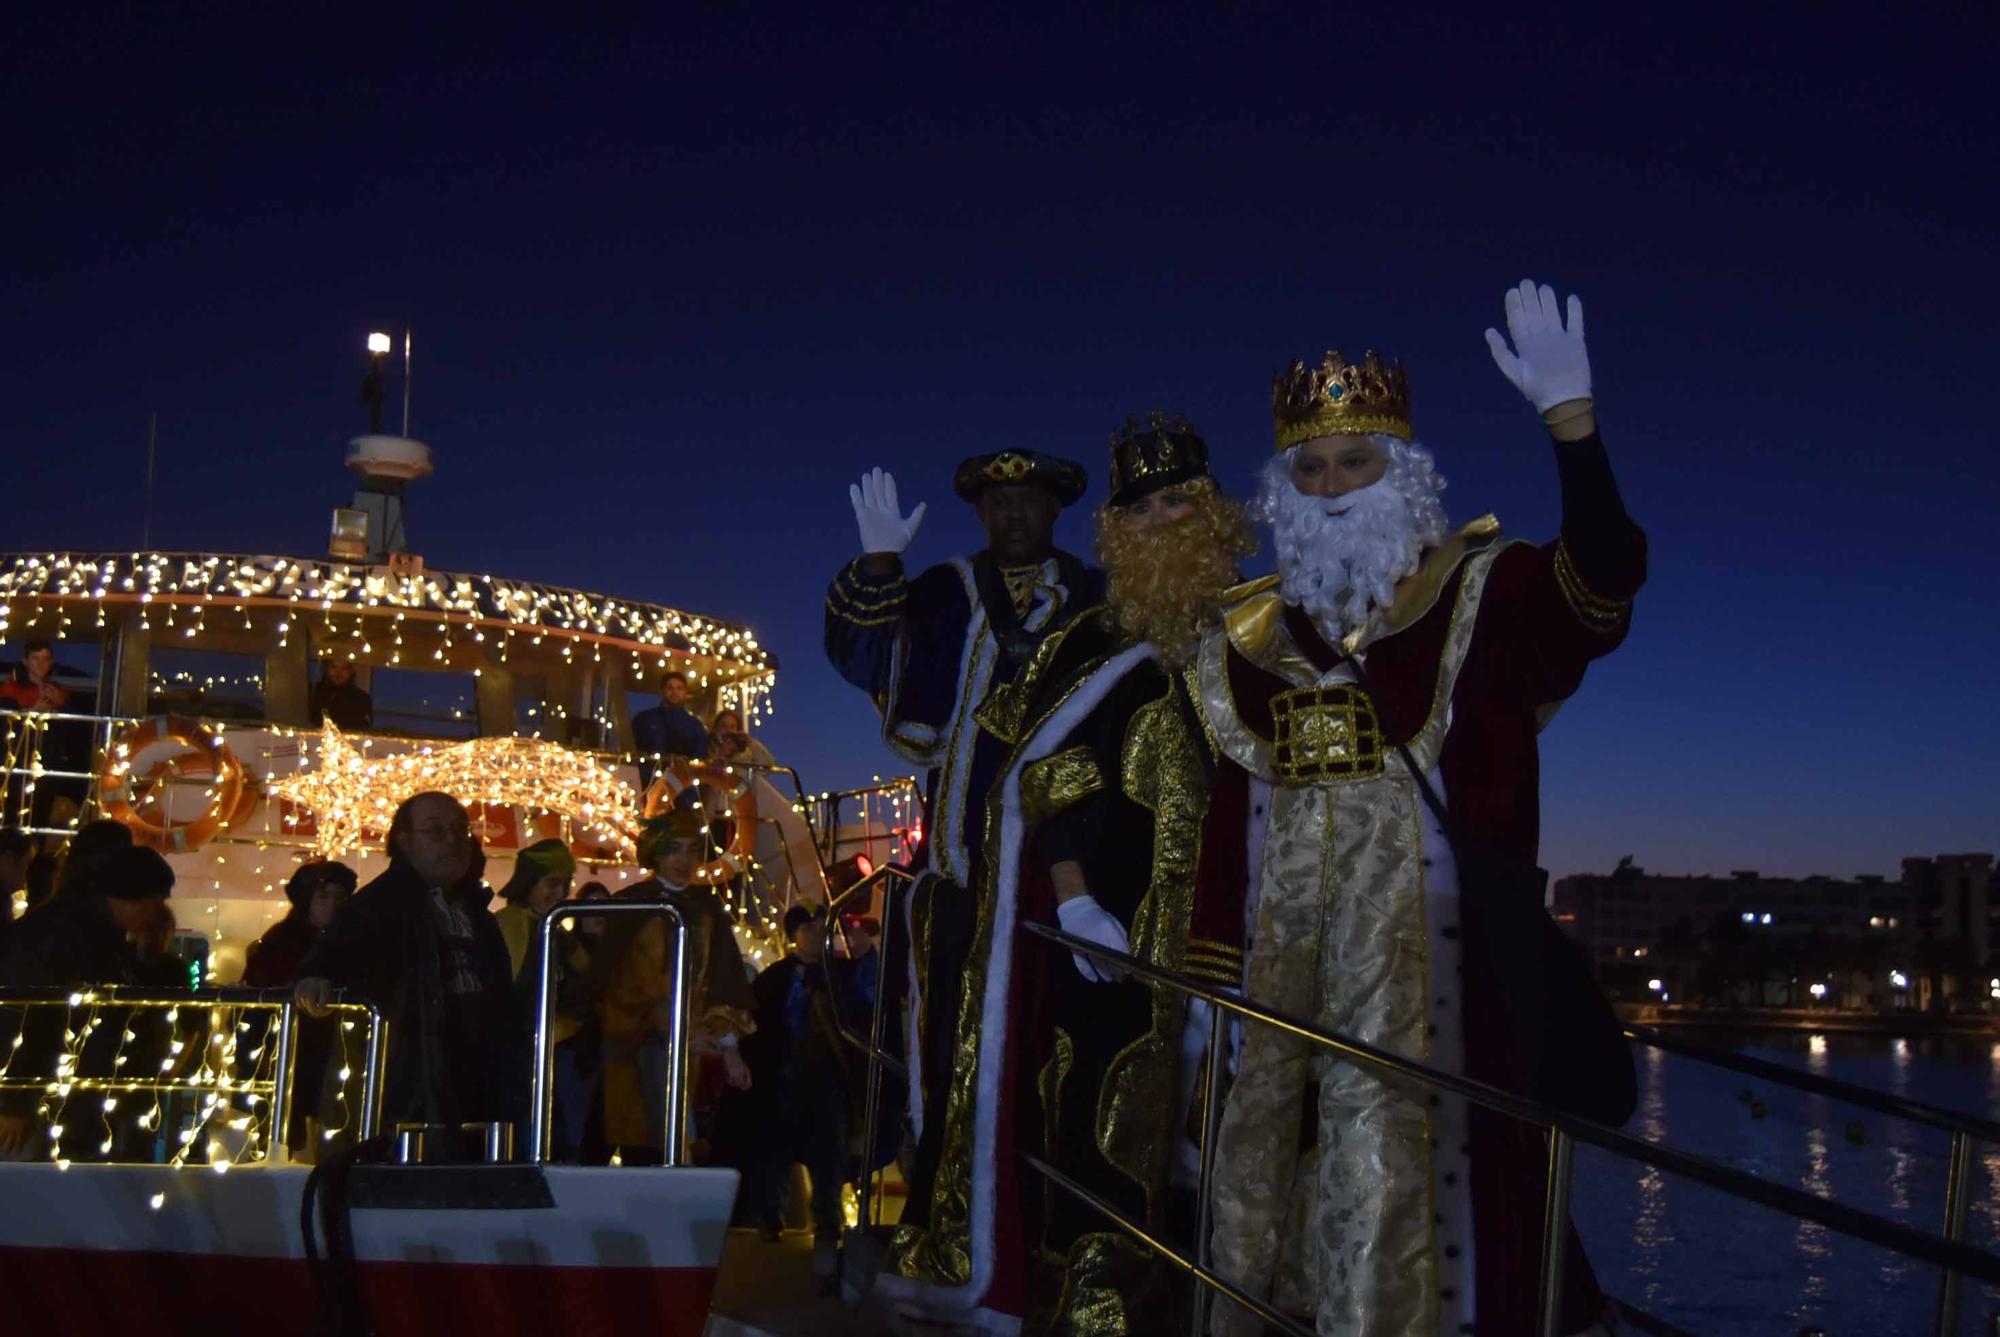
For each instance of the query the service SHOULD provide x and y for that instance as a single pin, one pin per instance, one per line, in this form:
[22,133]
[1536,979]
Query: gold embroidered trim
[1104,1289]
[1160,768]
[1233,738]
[1593,610]
[1056,782]
[1049,1085]
[864,594]
[1428,745]
[857,621]
[1005,708]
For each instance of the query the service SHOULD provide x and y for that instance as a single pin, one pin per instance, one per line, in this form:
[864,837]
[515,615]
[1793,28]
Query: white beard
[1340,557]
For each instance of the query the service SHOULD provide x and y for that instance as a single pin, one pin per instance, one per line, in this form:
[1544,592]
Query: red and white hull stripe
[87,1250]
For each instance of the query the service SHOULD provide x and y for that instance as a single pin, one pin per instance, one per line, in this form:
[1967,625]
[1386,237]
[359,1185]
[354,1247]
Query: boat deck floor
[769,1290]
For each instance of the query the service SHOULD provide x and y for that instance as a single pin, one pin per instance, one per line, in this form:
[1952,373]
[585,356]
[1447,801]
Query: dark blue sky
[677,278]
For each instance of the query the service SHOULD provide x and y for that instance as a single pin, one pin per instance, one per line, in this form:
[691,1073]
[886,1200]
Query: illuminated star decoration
[352,794]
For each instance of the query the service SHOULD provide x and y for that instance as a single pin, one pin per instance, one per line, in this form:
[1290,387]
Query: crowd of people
[1318,789]
[458,986]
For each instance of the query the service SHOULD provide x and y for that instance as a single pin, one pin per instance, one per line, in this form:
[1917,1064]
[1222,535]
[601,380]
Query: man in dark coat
[937,653]
[103,931]
[420,943]
[668,729]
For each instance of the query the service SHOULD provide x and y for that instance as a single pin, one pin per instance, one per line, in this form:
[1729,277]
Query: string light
[193,584]
[228,1095]
[352,794]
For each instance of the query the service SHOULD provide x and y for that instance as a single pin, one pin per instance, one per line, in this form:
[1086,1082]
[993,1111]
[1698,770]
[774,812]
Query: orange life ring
[668,786]
[120,795]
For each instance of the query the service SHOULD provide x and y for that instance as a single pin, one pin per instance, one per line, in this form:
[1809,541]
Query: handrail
[878,1060]
[1937,1250]
[886,873]
[1882,1102]
[541,1106]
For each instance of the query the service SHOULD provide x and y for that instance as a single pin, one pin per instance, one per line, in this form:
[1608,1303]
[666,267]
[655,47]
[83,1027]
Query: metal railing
[871,1048]
[541,1106]
[1946,1251]
[1963,1128]
[1564,1130]
[212,1072]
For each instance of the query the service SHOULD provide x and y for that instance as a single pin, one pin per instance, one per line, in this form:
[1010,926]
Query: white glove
[1083,917]
[1548,363]
[882,523]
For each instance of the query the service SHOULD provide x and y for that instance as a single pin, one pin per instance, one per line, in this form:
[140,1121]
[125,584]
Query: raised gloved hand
[1547,363]
[883,526]
[1083,917]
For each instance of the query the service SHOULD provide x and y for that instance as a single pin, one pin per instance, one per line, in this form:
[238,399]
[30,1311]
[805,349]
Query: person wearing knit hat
[541,879]
[83,937]
[318,890]
[630,977]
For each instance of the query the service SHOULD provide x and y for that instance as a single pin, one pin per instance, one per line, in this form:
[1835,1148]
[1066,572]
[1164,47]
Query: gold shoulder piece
[1252,622]
[1245,589]
[1417,593]
[1054,783]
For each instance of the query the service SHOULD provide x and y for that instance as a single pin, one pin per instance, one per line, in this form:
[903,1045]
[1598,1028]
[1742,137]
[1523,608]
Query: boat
[165,1200]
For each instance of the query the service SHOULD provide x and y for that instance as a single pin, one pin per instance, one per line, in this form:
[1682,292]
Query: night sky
[675,280]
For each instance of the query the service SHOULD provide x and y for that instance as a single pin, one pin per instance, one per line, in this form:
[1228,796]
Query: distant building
[1923,941]
[1620,916]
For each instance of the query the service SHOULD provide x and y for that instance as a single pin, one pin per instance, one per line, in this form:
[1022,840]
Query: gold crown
[1339,397]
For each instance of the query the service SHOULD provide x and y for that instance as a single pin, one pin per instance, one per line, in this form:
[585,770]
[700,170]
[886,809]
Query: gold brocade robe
[1368,1227]
[1080,1074]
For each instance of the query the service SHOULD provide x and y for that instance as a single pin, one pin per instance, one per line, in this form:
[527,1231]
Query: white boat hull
[148,1249]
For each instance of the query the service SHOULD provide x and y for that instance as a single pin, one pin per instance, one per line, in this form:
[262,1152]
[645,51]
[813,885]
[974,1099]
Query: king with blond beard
[1384,690]
[1099,826]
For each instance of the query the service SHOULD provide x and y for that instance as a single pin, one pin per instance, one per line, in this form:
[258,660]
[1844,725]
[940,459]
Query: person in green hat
[631,980]
[542,874]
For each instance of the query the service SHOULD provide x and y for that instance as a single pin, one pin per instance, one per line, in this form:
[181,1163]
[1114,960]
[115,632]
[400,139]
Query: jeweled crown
[1338,397]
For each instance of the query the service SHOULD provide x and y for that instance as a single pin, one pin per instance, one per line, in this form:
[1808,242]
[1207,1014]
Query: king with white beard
[1388,643]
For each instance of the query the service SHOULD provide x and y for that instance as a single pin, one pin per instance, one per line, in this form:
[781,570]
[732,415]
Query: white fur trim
[1450,1119]
[993,1031]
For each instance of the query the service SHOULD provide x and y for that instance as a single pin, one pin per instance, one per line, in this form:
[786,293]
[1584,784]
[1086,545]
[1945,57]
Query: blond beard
[1165,584]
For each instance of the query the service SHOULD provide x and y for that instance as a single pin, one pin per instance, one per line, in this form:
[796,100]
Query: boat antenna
[152,443]
[406,380]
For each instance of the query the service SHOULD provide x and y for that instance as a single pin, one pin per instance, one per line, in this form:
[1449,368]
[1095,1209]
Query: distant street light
[1817,991]
[379,344]
[1655,985]
[1899,980]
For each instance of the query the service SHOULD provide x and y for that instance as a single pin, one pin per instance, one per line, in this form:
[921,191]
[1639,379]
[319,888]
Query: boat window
[208,684]
[432,705]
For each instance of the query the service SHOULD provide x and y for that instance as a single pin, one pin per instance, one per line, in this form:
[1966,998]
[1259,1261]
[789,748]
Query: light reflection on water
[1713,1265]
